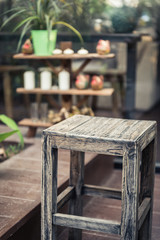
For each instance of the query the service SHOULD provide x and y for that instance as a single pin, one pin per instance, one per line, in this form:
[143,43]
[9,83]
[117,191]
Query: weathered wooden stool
[133,140]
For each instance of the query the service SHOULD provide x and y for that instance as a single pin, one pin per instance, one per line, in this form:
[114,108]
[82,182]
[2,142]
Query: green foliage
[152,7]
[38,15]
[81,13]
[12,150]
[124,19]
[3,136]
[11,124]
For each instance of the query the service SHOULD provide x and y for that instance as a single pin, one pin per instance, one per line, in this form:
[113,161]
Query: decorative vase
[43,46]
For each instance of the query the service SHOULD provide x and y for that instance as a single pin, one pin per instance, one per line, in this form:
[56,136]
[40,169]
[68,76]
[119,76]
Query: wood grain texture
[101,135]
[71,91]
[91,224]
[91,190]
[49,189]
[64,197]
[121,137]
[143,211]
[130,192]
[147,186]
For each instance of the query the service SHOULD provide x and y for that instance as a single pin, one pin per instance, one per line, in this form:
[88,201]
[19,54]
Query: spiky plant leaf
[72,28]
[12,124]
[29,19]
[24,31]
[39,15]
[3,136]
[12,17]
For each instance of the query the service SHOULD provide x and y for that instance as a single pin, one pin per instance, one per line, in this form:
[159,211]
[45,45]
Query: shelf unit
[65,63]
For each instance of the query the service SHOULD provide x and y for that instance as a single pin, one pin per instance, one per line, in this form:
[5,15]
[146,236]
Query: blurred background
[92,16]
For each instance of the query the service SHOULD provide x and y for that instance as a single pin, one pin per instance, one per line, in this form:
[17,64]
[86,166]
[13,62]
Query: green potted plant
[39,15]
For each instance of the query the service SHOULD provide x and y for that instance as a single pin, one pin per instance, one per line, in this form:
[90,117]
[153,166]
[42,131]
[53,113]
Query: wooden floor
[111,209]
[20,185]
[20,181]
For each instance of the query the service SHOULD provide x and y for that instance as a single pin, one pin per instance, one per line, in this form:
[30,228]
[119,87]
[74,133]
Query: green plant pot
[43,46]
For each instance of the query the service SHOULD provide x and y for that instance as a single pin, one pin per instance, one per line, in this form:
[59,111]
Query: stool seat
[134,141]
[100,134]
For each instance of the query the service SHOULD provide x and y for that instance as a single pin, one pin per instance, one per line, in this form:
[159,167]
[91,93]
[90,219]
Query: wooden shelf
[27,122]
[64,56]
[72,91]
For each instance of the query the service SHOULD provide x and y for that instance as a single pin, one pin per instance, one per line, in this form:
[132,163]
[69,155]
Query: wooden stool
[133,140]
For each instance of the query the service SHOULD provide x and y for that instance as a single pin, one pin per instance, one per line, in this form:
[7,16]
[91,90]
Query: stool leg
[49,189]
[147,186]
[76,180]
[130,190]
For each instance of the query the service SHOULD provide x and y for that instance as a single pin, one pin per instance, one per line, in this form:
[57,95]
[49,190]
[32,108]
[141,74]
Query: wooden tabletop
[64,56]
[28,122]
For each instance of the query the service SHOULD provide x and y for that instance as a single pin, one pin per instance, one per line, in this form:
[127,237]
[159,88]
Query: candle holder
[29,80]
[64,80]
[46,80]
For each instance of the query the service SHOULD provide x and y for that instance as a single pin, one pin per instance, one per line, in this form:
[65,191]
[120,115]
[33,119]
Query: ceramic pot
[43,46]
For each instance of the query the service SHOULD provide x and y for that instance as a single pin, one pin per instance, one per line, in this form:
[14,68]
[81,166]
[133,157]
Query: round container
[44,43]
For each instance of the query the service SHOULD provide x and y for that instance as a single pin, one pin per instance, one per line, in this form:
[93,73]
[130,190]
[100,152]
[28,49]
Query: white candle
[64,80]
[29,80]
[46,80]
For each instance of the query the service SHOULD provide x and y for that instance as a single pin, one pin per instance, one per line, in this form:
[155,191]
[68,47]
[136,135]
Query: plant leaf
[11,10]
[29,19]
[3,136]
[12,17]
[12,124]
[24,31]
[39,8]
[73,29]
